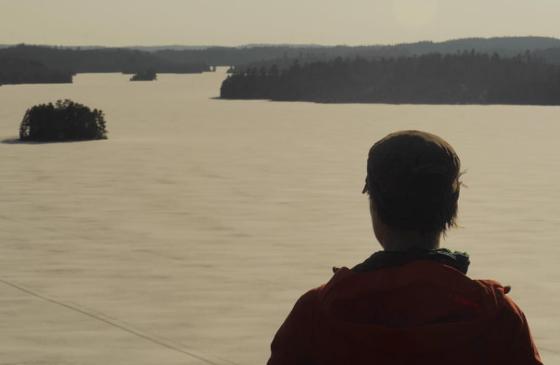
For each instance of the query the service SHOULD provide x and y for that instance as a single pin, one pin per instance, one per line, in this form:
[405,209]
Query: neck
[406,241]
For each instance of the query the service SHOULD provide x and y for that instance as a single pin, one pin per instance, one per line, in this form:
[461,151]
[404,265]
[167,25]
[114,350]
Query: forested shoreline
[22,71]
[38,64]
[46,64]
[462,78]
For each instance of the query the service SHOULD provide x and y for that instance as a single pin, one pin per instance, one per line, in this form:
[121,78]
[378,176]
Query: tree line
[461,78]
[18,71]
[39,64]
[253,54]
[58,63]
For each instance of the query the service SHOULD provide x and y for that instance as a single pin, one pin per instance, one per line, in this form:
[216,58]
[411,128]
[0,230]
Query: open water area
[188,235]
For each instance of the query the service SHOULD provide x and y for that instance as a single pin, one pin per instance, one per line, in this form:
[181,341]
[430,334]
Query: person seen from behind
[412,302]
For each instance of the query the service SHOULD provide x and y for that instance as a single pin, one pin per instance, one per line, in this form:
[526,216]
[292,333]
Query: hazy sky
[235,22]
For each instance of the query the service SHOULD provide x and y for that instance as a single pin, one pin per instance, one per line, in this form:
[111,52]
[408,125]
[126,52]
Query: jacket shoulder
[510,330]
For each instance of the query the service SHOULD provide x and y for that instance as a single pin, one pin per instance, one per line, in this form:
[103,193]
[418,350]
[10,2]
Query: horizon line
[253,45]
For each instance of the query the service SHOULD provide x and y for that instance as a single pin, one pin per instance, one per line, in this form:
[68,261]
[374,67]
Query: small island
[146,75]
[64,120]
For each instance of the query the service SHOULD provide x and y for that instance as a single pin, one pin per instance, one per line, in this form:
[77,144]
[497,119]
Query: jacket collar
[383,259]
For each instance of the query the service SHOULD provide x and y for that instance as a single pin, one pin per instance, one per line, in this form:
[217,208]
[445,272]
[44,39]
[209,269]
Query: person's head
[413,186]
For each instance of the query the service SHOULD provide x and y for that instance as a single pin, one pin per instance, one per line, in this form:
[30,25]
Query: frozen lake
[191,231]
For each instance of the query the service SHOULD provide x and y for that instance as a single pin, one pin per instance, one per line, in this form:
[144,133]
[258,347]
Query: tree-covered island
[461,78]
[146,75]
[64,120]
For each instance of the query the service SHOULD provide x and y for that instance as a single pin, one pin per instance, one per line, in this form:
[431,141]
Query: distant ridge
[479,43]
[502,45]
[250,55]
[19,63]
[505,44]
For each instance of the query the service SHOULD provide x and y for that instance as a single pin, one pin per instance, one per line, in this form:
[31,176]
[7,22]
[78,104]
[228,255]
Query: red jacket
[422,312]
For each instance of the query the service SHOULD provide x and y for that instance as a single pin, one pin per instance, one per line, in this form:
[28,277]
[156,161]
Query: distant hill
[189,59]
[504,46]
[227,56]
[251,54]
[166,47]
